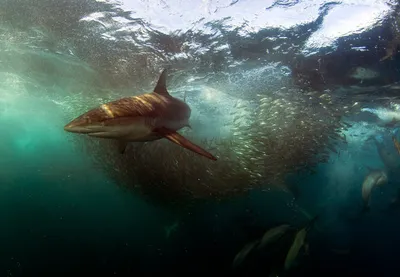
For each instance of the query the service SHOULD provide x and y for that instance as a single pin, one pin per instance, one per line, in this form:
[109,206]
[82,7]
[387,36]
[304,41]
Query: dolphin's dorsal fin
[161,87]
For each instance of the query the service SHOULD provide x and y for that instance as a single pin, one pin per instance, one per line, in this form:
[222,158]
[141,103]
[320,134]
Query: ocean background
[69,204]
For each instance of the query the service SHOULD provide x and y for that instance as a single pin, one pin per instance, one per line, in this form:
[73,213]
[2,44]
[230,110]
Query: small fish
[146,117]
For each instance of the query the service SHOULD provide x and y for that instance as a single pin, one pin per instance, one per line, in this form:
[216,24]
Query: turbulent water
[298,100]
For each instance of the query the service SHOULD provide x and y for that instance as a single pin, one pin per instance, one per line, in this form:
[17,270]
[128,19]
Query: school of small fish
[290,131]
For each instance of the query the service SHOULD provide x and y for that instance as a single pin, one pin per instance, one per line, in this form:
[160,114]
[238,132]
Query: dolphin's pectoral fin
[184,142]
[122,144]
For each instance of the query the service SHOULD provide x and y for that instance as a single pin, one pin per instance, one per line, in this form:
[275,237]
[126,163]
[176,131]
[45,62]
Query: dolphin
[273,234]
[373,179]
[298,243]
[389,158]
[239,258]
[146,117]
